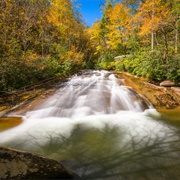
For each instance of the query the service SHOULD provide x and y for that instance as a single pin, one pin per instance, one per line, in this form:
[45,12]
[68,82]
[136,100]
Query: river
[101,129]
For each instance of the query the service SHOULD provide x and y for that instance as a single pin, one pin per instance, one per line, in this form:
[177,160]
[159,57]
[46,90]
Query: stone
[176,93]
[167,83]
[16,164]
[159,96]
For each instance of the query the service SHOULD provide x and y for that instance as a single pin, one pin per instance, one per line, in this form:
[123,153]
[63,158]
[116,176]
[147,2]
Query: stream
[101,129]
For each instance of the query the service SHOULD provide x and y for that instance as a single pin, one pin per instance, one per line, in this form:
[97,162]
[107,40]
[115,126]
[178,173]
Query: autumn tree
[39,39]
[146,30]
[119,29]
[175,13]
[154,19]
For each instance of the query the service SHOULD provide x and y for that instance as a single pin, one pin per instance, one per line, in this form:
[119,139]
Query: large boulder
[22,165]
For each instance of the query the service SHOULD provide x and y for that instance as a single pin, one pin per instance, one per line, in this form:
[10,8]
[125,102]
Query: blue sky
[90,10]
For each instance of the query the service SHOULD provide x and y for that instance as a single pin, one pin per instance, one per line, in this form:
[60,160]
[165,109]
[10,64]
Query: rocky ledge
[165,95]
[17,165]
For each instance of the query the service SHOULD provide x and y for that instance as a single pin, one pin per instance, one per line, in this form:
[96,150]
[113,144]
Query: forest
[42,39]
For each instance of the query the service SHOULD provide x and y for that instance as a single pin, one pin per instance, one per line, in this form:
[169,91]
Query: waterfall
[93,94]
[101,129]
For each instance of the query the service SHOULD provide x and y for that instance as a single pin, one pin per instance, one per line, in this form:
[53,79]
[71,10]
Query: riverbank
[161,97]
[25,99]
[165,99]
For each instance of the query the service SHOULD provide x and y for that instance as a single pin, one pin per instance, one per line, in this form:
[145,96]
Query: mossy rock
[23,165]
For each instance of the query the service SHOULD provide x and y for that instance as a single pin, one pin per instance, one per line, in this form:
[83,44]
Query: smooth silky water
[100,129]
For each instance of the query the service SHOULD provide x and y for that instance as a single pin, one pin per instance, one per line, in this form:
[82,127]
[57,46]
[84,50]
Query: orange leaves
[96,38]
[73,56]
[149,26]
[125,28]
[62,17]
[95,30]
[151,16]
[119,15]
[113,29]
[61,14]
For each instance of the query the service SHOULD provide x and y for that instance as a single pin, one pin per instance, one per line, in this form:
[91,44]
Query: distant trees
[46,38]
[148,31]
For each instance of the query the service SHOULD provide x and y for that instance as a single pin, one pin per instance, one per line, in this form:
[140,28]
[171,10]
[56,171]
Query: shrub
[148,64]
[104,61]
[173,69]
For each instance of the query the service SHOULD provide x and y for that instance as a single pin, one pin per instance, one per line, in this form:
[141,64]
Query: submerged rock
[23,165]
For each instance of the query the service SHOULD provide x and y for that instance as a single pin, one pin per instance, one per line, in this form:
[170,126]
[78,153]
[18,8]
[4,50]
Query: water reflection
[106,150]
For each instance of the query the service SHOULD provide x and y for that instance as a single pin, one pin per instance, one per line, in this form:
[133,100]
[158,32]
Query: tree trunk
[166,44]
[152,34]
[176,38]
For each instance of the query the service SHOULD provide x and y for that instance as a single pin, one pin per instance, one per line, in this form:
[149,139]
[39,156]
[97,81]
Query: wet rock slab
[22,165]
[161,96]
[9,122]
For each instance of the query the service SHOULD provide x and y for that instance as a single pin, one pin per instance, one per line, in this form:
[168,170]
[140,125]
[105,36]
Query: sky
[90,10]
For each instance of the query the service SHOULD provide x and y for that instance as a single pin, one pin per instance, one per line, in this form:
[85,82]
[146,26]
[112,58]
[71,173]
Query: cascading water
[101,129]
[93,95]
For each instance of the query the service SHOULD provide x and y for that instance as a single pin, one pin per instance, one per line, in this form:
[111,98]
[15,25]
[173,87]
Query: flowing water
[100,129]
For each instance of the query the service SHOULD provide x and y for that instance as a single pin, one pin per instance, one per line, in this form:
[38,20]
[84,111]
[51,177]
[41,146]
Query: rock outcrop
[23,165]
[162,96]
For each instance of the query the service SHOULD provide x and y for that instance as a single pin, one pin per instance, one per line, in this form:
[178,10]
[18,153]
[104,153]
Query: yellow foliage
[95,36]
[119,17]
[29,55]
[152,16]
[62,16]
[73,56]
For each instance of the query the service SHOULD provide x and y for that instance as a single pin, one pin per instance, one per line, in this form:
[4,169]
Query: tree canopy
[145,30]
[40,39]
